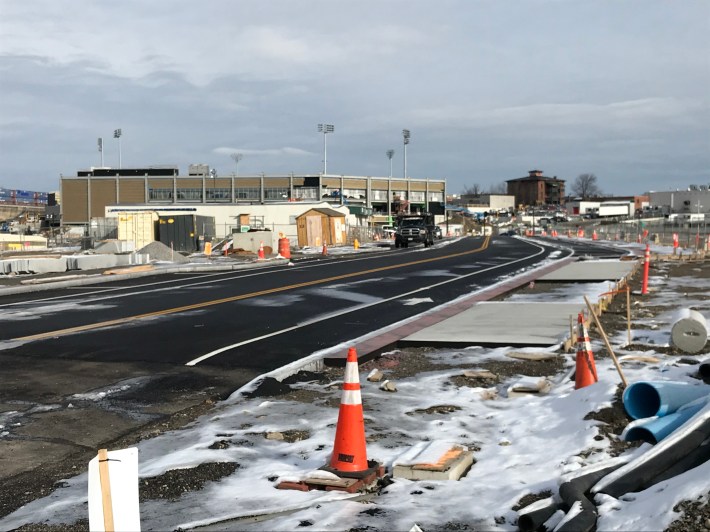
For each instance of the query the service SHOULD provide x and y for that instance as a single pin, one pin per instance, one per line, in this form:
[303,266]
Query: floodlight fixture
[237,157]
[390,154]
[325,129]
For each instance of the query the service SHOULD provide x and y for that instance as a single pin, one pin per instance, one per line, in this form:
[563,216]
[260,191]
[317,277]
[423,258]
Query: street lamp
[390,154]
[325,129]
[405,136]
[117,135]
[237,157]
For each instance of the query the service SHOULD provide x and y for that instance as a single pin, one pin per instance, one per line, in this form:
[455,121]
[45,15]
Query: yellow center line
[175,310]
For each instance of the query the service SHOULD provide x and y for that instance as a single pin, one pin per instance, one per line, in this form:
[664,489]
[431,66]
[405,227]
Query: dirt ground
[55,414]
[34,458]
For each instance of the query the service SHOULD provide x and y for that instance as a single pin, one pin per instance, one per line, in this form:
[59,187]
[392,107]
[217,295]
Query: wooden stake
[105,490]
[606,341]
[628,312]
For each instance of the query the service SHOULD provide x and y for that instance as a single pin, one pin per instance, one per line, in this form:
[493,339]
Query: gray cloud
[488,91]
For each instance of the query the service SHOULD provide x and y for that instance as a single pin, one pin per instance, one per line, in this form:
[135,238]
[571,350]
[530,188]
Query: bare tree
[473,190]
[586,186]
[500,188]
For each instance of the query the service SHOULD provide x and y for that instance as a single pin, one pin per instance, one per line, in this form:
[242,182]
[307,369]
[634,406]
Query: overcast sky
[488,89]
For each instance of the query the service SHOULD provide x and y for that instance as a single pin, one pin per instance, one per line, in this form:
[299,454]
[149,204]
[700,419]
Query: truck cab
[414,229]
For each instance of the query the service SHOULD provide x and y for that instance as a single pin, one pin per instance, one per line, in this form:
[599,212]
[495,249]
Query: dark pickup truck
[414,229]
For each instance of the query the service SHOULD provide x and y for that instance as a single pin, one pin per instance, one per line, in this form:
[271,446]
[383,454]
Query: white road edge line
[353,309]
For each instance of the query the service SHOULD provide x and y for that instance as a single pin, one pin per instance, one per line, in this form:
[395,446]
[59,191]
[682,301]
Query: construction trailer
[137,227]
[615,208]
[186,232]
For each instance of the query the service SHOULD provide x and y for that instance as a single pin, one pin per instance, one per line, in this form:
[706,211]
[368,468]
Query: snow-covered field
[523,445]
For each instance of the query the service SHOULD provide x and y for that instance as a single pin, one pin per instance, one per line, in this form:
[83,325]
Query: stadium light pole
[117,135]
[101,150]
[405,137]
[237,157]
[390,154]
[325,129]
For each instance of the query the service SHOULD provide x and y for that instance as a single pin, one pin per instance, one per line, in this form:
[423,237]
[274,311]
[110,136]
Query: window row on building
[86,195]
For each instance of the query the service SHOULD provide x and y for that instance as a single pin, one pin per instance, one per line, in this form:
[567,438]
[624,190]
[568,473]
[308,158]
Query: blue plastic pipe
[658,428]
[647,399]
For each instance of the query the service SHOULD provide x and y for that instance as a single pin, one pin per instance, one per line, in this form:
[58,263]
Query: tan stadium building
[373,200]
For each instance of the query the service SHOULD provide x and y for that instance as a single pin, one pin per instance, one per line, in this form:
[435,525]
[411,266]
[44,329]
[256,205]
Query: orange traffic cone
[261,255]
[594,235]
[325,249]
[349,452]
[586,369]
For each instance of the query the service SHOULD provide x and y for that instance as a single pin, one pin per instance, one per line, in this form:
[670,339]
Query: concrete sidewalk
[476,321]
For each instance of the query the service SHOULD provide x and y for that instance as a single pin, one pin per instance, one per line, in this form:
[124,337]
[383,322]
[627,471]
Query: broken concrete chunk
[436,460]
[479,374]
[488,395]
[388,386]
[375,375]
[528,386]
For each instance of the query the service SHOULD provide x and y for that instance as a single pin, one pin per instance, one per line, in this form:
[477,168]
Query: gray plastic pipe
[640,472]
[536,514]
[575,491]
[704,371]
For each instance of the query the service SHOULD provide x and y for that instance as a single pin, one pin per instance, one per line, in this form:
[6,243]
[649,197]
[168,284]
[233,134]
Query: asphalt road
[65,394]
[259,319]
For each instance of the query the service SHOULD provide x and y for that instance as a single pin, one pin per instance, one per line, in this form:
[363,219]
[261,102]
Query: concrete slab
[500,323]
[131,259]
[592,270]
[58,265]
[91,262]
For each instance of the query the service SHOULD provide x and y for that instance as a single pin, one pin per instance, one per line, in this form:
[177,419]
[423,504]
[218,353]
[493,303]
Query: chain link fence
[661,232]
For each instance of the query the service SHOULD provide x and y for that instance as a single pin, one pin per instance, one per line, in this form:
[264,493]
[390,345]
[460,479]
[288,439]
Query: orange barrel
[284,248]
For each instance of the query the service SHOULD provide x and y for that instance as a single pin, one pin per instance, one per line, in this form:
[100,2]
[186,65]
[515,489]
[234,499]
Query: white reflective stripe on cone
[351,373]
[351,397]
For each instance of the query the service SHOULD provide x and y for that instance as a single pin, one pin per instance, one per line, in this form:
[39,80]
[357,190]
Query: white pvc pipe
[689,332]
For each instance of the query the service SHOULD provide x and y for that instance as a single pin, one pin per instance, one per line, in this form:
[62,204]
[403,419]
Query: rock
[388,386]
[274,436]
